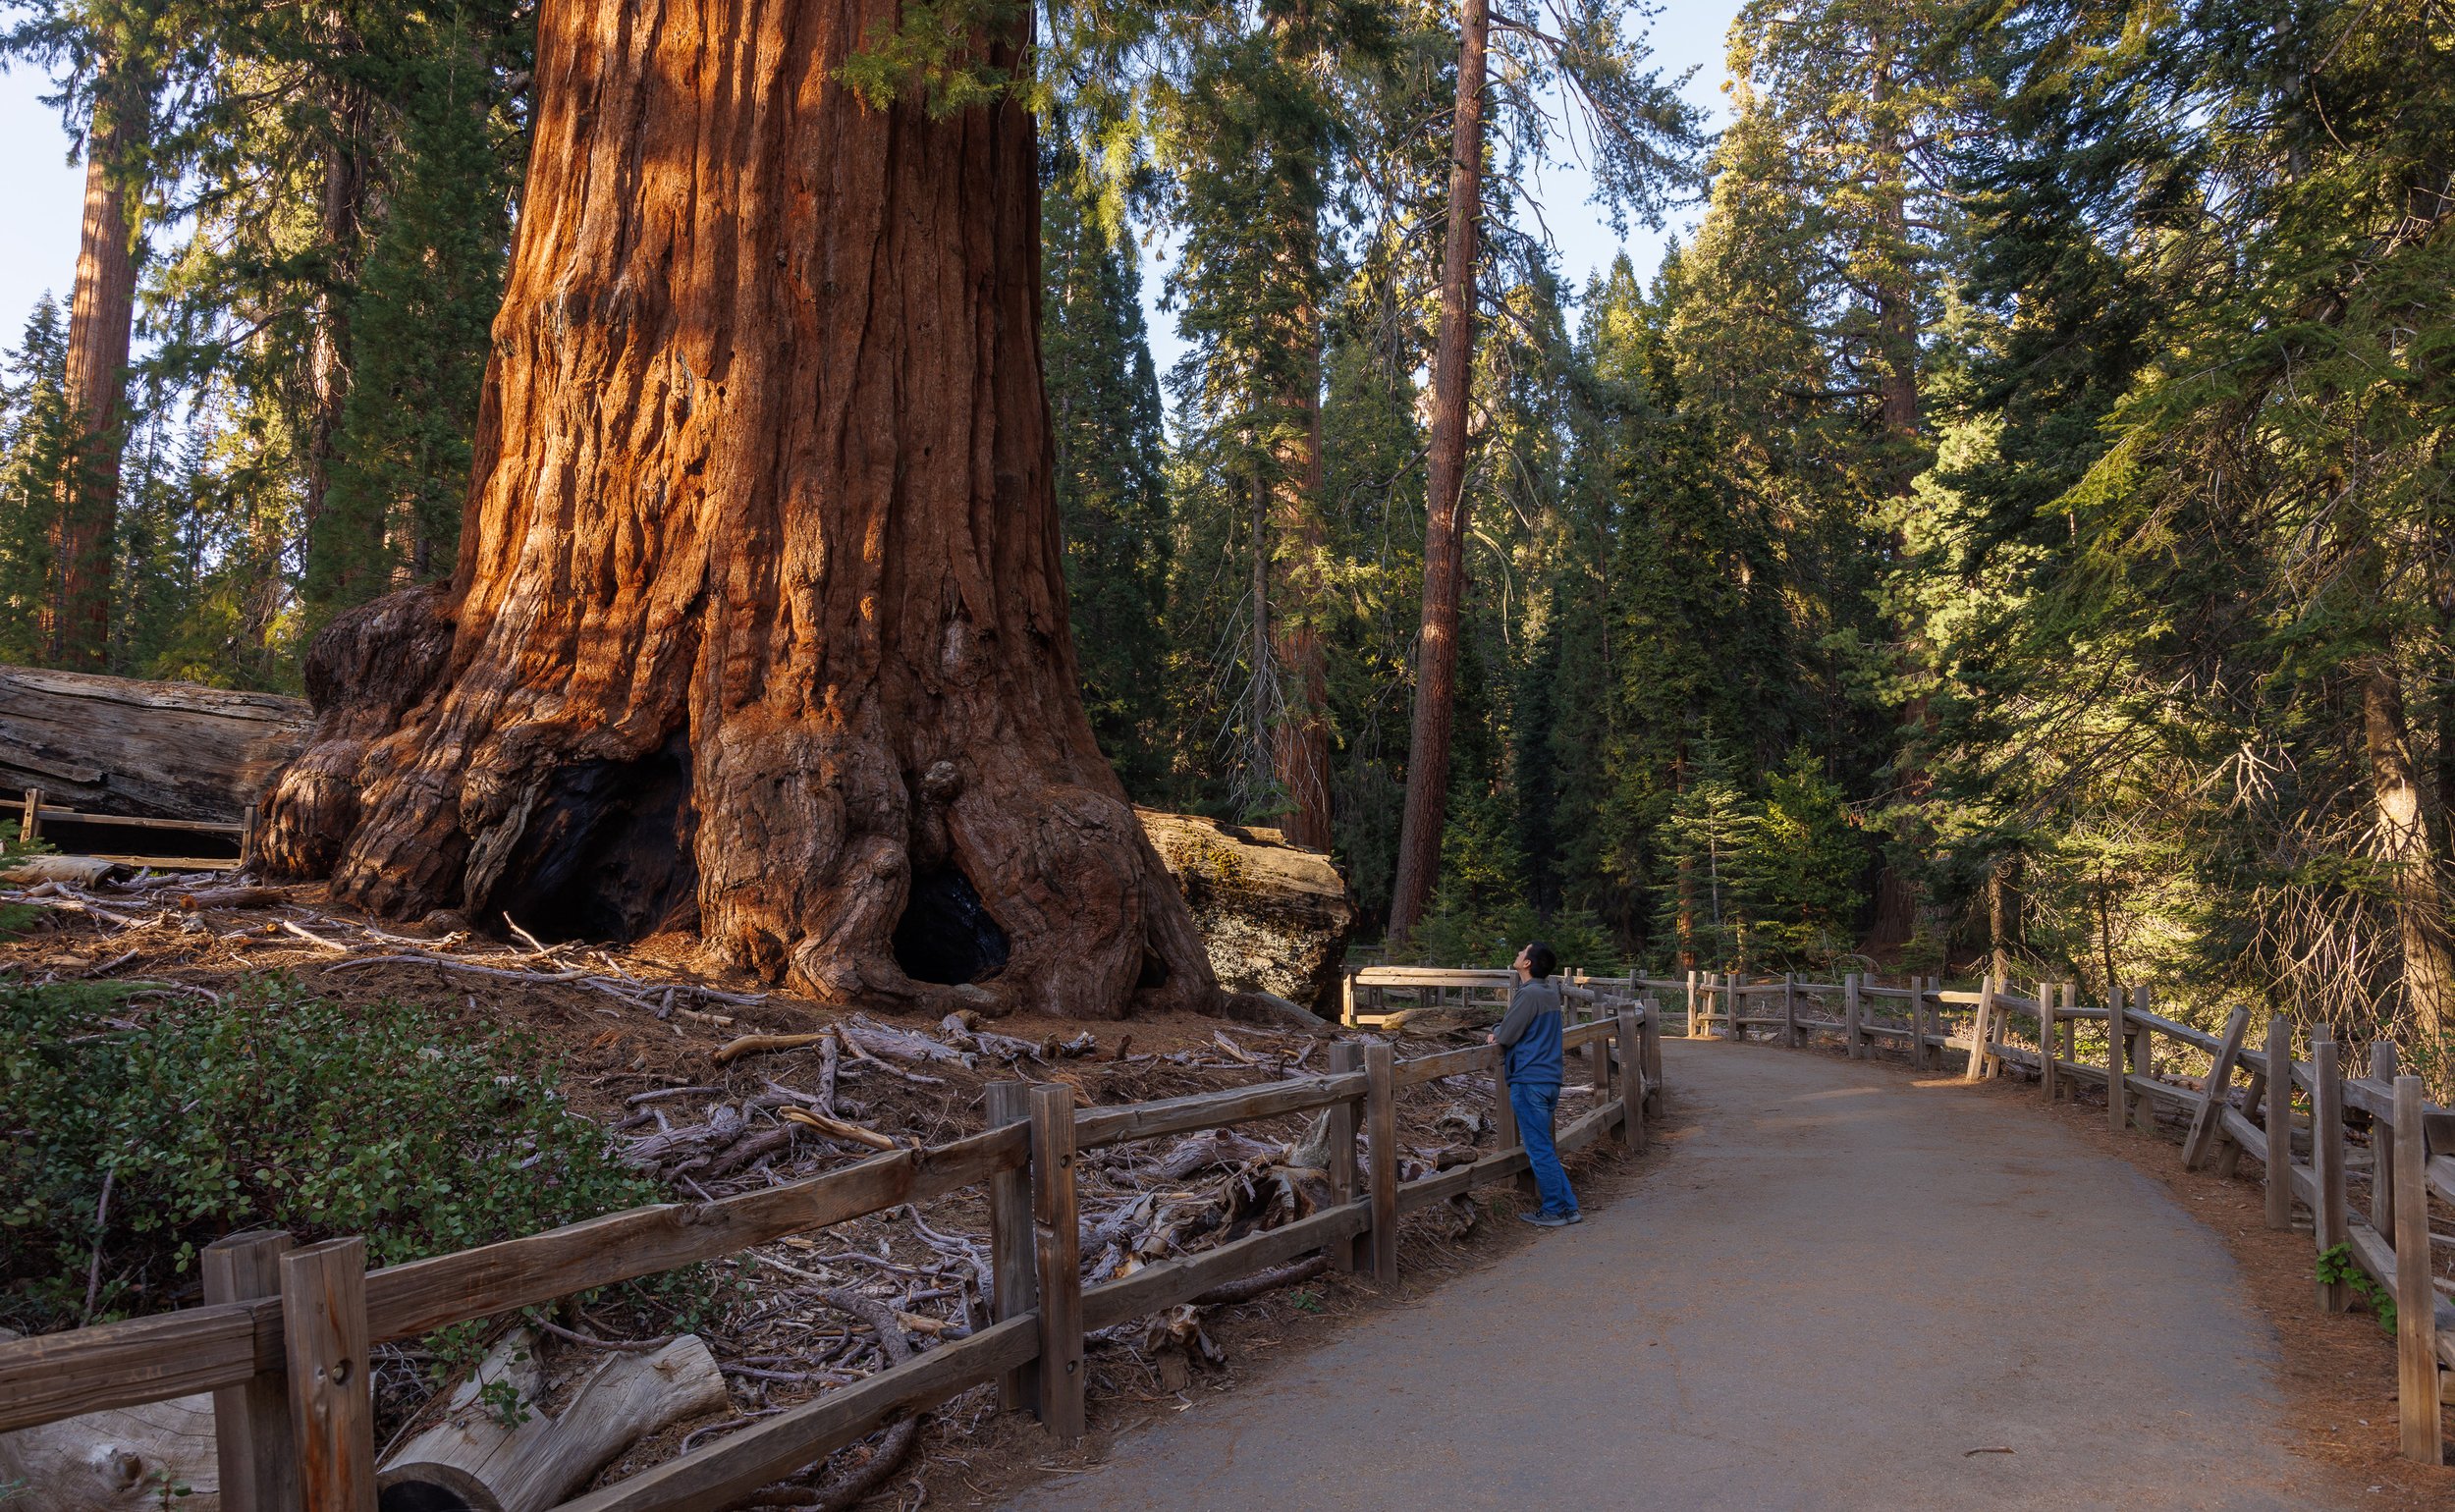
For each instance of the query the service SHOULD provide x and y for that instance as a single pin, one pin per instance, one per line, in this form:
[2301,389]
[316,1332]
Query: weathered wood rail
[2303,1152]
[283,1337]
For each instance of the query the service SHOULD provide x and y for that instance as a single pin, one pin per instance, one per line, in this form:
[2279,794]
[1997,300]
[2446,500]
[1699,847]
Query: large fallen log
[151,750]
[124,1459]
[495,1450]
[1275,916]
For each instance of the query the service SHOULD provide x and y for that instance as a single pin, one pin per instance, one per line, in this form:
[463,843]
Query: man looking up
[1529,1036]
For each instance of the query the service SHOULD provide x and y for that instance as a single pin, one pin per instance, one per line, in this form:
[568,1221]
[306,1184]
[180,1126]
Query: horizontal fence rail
[1994,1029]
[276,1337]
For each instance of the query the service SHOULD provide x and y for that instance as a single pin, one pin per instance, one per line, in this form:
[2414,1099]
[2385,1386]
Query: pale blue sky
[40,190]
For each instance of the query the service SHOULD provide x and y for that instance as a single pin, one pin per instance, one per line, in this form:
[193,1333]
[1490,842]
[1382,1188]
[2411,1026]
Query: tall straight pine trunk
[1301,740]
[758,627]
[1445,522]
[101,309]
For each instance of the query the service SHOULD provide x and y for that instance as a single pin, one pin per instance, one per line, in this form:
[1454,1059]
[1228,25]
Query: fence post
[2329,1224]
[1981,1030]
[2117,1040]
[1790,1009]
[257,1457]
[1010,1257]
[2382,1142]
[324,1344]
[2071,1028]
[1057,1237]
[2210,1126]
[2047,1068]
[1346,995]
[1851,1035]
[30,828]
[2416,1300]
[1381,1133]
[2144,1058]
[2279,1122]
[1634,1082]
[1650,1056]
[1693,1021]
[1339,1132]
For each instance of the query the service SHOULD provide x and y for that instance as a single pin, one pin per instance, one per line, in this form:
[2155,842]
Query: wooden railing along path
[282,1338]
[2412,1140]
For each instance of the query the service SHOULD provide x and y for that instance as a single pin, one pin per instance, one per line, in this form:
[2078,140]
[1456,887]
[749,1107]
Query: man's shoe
[1545,1220]
[1576,1217]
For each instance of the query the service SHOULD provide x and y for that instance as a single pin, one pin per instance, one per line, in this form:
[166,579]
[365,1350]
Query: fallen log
[496,1452]
[152,750]
[122,1459]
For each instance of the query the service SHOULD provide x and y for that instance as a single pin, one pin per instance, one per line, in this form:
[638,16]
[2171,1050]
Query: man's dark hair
[1541,961]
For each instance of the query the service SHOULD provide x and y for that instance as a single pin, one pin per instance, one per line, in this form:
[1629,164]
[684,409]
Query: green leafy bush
[271,1108]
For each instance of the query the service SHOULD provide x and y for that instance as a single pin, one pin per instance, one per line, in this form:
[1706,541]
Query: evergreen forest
[2012,526]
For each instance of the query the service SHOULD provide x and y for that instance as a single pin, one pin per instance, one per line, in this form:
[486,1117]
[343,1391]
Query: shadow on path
[1845,1288]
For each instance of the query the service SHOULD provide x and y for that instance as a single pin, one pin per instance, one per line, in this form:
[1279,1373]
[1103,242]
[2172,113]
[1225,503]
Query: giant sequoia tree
[759,620]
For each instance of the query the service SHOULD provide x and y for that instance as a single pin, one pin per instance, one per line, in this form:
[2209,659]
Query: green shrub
[271,1108]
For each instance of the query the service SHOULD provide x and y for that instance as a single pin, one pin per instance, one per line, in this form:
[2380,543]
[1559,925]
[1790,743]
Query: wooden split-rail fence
[2288,1114]
[283,1337]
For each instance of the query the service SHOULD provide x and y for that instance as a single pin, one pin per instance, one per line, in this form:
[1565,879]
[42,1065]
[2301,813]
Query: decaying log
[120,1460]
[496,1444]
[153,750]
[1273,916]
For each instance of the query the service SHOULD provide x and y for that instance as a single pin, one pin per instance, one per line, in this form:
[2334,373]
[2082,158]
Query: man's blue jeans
[1534,1103]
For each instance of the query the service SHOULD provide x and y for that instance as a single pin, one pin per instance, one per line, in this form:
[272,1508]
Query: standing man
[1529,1038]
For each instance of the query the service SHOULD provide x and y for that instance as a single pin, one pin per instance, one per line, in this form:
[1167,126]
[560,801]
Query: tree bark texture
[340,235]
[1426,810]
[101,305]
[758,624]
[1302,741]
[2415,873]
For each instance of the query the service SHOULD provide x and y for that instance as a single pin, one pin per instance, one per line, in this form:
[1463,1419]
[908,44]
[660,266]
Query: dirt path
[1847,1288]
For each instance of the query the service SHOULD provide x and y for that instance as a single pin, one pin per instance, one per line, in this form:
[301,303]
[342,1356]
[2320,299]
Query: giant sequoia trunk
[102,304]
[1300,744]
[758,624]
[1445,504]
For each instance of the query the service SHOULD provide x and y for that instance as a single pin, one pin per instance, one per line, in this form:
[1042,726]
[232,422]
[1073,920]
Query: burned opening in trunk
[606,854]
[947,935]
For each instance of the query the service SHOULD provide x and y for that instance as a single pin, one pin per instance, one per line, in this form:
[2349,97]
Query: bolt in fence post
[1633,1082]
[2416,1300]
[324,1342]
[1339,1133]
[1381,1132]
[1010,1244]
[2279,1129]
[1057,1243]
[2331,1224]
[257,1459]
[2382,1141]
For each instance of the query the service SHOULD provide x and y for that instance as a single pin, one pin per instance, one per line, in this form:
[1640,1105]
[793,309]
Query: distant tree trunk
[1897,387]
[2003,913]
[2415,872]
[102,307]
[759,624]
[331,362]
[1444,526]
[1302,738]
